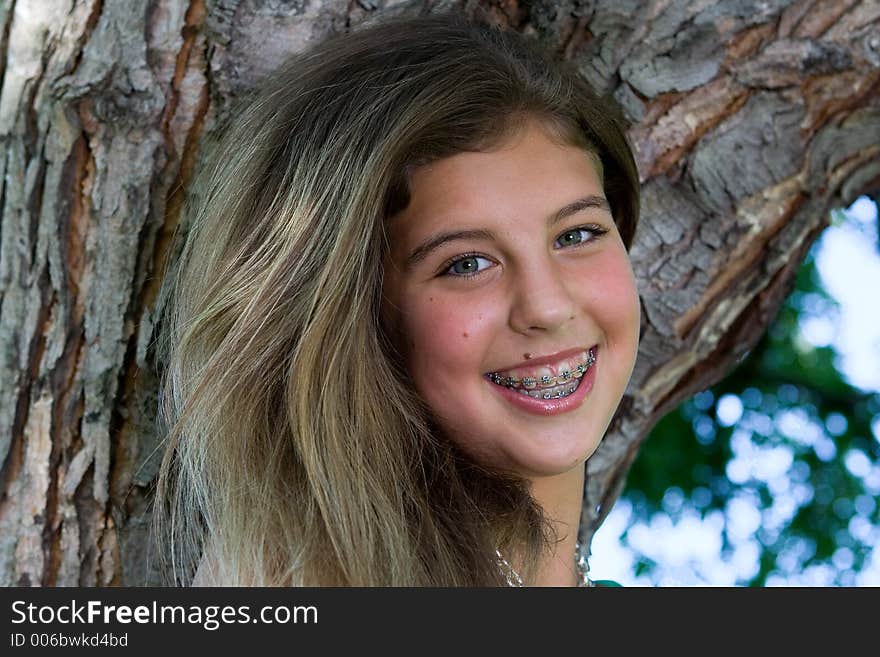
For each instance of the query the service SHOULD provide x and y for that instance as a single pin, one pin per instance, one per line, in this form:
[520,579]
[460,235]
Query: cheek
[442,333]
[617,295]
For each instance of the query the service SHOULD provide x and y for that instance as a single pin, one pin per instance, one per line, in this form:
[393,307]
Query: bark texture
[751,119]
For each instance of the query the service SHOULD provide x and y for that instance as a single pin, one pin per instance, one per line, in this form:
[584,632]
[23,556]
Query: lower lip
[552,406]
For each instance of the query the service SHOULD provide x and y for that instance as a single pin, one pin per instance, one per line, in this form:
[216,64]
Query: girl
[402,319]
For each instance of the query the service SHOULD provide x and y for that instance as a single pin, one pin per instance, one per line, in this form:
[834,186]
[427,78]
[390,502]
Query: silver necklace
[580,561]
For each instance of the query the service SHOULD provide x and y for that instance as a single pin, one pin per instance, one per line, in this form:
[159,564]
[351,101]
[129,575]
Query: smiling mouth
[547,386]
[555,399]
[566,374]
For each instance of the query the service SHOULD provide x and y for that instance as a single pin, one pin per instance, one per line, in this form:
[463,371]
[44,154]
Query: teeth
[545,377]
[551,393]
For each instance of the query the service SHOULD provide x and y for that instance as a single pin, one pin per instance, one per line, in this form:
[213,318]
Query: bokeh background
[772,476]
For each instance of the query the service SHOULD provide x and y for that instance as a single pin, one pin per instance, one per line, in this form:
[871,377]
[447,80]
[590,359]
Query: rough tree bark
[751,120]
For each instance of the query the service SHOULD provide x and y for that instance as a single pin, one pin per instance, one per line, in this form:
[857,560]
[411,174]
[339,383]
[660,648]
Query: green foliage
[794,401]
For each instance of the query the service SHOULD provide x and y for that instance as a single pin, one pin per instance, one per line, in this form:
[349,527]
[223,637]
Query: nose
[543,297]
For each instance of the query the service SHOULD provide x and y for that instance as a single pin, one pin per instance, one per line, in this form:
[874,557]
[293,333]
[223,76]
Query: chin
[553,462]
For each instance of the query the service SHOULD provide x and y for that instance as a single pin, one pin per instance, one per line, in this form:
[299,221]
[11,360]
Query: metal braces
[530,383]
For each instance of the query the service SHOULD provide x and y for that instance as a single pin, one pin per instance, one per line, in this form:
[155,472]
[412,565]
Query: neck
[561,497]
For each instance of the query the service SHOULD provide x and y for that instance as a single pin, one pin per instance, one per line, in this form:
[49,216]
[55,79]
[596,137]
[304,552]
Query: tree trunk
[750,121]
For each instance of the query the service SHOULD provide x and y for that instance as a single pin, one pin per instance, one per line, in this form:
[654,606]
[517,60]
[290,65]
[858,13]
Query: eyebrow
[433,243]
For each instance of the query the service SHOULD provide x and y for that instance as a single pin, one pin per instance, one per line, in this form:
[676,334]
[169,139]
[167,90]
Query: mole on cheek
[464,335]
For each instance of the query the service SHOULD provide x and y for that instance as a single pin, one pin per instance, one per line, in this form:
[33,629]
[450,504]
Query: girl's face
[510,263]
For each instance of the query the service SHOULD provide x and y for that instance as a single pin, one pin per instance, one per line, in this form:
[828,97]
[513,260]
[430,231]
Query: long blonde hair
[297,451]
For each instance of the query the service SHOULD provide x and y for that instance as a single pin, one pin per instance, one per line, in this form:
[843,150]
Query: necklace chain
[580,561]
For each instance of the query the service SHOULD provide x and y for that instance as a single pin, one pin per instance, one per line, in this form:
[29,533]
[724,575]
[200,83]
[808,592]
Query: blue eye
[465,265]
[594,232]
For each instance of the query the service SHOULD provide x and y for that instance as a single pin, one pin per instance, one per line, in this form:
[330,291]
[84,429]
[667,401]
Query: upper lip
[546,360]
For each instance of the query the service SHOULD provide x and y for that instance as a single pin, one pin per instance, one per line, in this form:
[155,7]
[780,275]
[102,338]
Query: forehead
[529,176]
